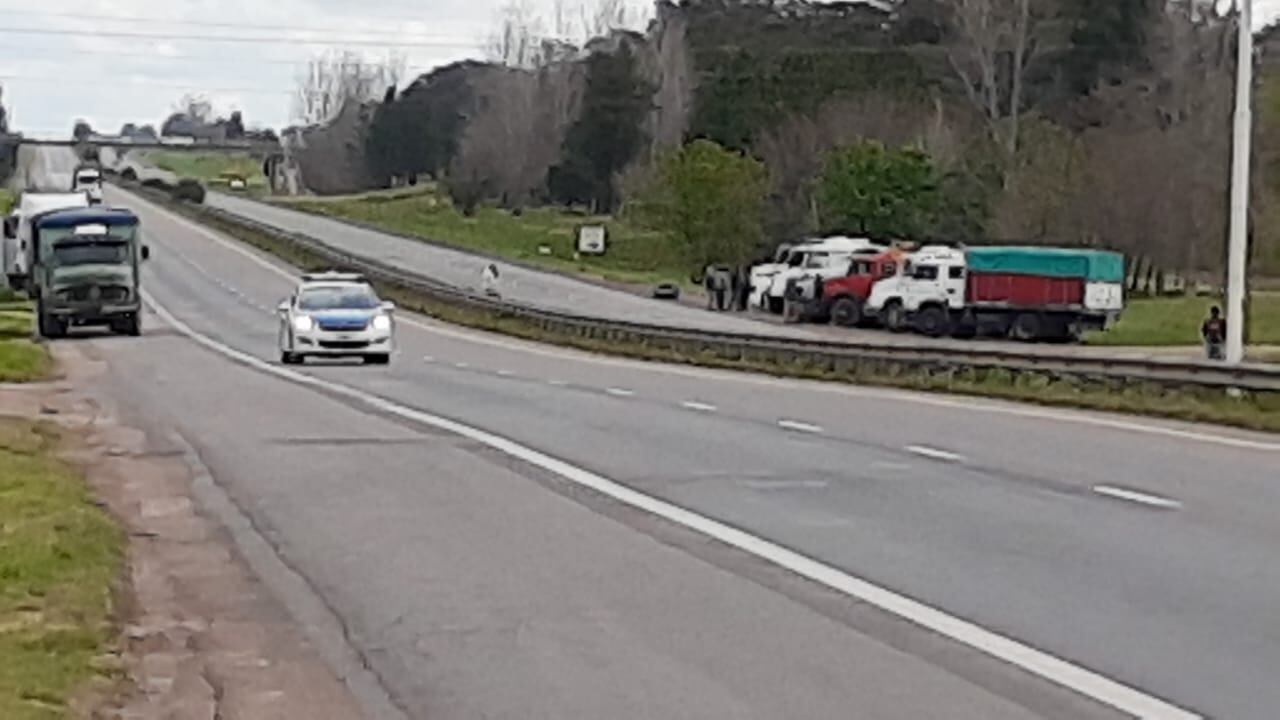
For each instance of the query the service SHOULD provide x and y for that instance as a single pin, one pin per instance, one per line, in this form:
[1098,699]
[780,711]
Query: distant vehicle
[841,299]
[1027,293]
[335,315]
[761,275]
[85,270]
[18,231]
[823,259]
[88,180]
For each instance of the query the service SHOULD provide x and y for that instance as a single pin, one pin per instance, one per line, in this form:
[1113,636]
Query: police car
[335,314]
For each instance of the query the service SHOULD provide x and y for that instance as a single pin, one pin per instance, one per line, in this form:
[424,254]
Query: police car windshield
[338,297]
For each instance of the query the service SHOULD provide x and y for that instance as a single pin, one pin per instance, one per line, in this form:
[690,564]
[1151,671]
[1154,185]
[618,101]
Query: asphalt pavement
[478,585]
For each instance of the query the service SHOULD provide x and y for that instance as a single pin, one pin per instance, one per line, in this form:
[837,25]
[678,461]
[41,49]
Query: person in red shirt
[1214,332]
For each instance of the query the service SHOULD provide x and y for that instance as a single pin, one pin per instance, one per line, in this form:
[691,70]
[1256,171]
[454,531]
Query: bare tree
[332,80]
[517,41]
[992,44]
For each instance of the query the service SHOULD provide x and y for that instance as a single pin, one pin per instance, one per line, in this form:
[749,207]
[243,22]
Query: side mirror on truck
[146,252]
[11,227]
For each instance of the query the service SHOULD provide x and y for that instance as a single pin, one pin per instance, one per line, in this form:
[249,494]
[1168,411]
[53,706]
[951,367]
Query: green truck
[85,270]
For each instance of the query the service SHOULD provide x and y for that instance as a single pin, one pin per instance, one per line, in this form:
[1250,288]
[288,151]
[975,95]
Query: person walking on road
[489,280]
[1214,332]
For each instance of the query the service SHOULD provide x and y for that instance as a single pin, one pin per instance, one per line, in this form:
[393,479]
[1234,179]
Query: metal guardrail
[748,348]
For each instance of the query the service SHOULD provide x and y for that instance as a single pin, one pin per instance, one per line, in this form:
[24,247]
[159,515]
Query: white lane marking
[428,358]
[558,383]
[798,426]
[620,392]
[784,484]
[934,453]
[1075,677]
[1138,497]
[505,373]
[462,365]
[699,406]
[968,404]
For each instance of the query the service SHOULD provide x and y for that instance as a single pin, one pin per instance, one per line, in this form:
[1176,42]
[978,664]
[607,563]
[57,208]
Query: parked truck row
[1025,293]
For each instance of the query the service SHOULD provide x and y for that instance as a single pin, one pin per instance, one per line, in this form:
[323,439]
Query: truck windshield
[61,247]
[338,298]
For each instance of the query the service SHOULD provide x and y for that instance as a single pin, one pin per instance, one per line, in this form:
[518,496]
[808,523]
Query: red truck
[842,299]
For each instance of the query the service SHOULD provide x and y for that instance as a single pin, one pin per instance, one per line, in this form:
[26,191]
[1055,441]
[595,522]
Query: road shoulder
[202,637]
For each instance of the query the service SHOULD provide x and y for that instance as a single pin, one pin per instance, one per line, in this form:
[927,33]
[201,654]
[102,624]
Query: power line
[212,24]
[352,42]
[57,82]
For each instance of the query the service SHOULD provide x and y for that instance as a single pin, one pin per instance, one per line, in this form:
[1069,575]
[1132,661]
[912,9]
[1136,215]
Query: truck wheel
[847,312]
[933,321]
[895,316]
[48,325]
[131,326]
[775,305]
[1026,327]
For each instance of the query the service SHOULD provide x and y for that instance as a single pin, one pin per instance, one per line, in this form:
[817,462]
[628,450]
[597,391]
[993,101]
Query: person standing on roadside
[489,280]
[1214,332]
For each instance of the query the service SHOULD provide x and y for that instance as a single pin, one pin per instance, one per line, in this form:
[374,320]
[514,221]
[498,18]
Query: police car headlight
[381,322]
[303,323]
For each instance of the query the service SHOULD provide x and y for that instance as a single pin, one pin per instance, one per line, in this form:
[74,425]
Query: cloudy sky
[117,61]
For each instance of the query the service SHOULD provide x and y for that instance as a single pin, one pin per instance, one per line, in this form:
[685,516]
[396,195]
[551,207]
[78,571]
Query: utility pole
[1237,248]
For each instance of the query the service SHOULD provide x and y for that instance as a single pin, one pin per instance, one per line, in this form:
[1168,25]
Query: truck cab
[85,270]
[843,298]
[821,260]
[88,180]
[932,280]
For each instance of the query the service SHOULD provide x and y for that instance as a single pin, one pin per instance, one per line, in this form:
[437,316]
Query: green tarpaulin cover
[1092,265]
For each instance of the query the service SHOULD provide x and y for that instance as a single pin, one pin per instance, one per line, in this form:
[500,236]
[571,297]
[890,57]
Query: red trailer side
[1030,291]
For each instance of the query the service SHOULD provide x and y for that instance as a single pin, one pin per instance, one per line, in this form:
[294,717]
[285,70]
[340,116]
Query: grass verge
[21,359]
[1258,411]
[211,168]
[635,255]
[1176,321]
[60,556]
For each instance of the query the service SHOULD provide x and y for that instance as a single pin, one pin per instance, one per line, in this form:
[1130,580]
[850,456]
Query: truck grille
[90,293]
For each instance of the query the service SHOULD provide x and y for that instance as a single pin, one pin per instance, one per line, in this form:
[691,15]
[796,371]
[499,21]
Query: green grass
[21,360]
[60,556]
[7,200]
[209,167]
[1176,321]
[635,255]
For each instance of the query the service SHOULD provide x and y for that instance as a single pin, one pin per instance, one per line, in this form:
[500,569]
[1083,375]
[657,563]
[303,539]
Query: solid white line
[934,453]
[505,373]
[995,407]
[428,358]
[462,365]
[1075,677]
[799,426]
[699,406]
[1138,497]
[558,383]
[619,392]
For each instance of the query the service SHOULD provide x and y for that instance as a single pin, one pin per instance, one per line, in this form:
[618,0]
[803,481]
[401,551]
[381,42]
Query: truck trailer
[1027,293]
[18,231]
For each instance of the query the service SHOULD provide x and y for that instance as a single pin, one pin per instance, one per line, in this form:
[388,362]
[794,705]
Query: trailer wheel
[895,316]
[1026,327]
[933,321]
[49,326]
[847,312]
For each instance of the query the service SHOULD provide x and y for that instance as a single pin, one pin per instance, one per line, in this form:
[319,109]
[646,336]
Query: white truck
[1027,293]
[19,235]
[88,180]
[823,259]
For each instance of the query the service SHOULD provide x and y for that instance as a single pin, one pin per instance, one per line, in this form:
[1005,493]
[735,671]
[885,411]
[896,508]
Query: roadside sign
[591,239]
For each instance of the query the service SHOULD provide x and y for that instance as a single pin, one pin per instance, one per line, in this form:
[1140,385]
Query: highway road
[515,531]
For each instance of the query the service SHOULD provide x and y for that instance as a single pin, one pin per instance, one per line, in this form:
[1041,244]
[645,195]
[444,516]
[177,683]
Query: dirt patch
[201,636]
